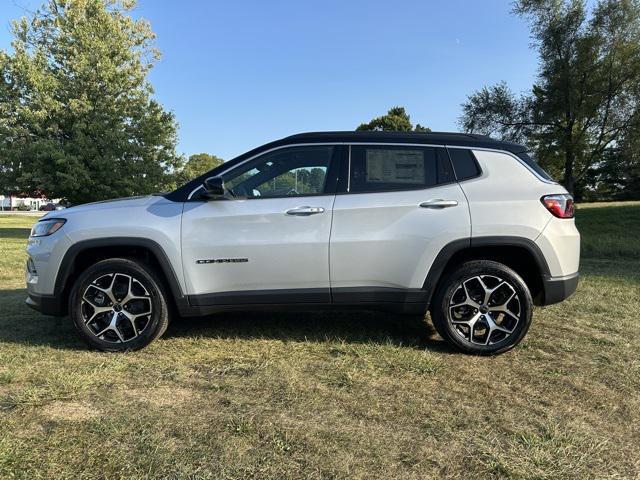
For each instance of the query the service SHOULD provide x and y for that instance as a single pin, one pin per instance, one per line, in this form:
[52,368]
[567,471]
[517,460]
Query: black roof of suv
[432,138]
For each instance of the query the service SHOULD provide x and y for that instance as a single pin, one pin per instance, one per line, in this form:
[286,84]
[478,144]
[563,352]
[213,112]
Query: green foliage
[616,176]
[197,165]
[77,118]
[497,111]
[586,99]
[396,120]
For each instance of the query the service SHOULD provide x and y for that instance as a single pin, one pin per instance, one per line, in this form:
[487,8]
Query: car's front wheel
[482,307]
[118,304]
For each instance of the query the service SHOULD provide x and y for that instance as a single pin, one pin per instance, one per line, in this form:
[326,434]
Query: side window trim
[473,157]
[345,159]
[330,181]
[333,171]
[346,189]
[510,154]
[349,171]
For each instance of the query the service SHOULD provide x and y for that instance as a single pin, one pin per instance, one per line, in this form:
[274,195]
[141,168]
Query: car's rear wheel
[482,307]
[118,304]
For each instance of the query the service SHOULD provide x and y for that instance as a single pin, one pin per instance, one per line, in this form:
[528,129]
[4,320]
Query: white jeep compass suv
[464,226]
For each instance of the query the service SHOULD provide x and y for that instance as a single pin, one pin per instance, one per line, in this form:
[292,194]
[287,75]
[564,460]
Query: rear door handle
[439,203]
[305,211]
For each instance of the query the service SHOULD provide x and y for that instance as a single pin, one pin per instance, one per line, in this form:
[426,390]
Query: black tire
[452,314]
[129,334]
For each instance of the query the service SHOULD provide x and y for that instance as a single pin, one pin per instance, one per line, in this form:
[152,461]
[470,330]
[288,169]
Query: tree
[78,120]
[498,112]
[197,165]
[6,104]
[617,174]
[586,93]
[396,120]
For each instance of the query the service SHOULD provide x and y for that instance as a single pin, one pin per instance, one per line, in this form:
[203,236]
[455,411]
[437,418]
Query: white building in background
[8,202]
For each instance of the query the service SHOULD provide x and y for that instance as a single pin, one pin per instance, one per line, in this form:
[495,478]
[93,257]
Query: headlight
[47,227]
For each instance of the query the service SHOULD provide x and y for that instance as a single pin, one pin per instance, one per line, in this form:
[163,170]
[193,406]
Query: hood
[126,202]
[113,200]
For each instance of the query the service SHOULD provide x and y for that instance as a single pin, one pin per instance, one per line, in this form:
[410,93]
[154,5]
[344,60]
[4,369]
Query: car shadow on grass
[21,325]
[353,326]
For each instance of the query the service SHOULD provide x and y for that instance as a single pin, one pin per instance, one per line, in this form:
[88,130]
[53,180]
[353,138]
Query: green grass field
[332,395]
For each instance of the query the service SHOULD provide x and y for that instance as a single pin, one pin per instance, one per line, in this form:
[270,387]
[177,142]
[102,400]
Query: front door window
[296,171]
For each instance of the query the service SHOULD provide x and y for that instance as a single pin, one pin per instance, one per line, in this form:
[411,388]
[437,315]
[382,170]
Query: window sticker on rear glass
[395,166]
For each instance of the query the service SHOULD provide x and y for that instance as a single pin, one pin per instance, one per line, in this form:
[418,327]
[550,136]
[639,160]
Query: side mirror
[214,188]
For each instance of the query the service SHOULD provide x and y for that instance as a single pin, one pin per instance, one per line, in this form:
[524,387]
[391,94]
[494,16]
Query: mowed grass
[332,395]
[609,230]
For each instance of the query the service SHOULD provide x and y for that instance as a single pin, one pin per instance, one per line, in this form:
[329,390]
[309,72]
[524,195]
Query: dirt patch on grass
[161,397]
[71,411]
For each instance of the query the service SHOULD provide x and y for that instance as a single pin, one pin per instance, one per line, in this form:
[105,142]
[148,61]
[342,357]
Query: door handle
[305,211]
[439,203]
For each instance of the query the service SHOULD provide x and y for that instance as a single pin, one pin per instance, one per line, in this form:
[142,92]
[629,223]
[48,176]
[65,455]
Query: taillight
[560,205]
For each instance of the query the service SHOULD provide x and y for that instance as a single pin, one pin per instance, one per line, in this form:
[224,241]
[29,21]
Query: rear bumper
[556,289]
[46,304]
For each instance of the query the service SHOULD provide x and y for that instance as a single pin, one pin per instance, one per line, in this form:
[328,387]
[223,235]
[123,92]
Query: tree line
[78,119]
[581,117]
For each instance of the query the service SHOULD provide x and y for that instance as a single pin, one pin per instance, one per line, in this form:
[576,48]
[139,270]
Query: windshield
[533,165]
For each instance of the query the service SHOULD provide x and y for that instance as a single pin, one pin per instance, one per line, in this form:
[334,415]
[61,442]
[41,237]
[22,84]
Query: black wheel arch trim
[508,241]
[458,246]
[68,262]
[439,264]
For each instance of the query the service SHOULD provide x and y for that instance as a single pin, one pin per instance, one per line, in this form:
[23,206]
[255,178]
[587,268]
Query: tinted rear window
[533,165]
[464,163]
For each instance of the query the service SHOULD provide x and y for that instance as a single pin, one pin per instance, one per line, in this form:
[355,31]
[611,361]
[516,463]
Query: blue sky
[241,73]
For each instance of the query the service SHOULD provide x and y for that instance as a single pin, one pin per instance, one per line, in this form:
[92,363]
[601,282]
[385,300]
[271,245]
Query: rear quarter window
[464,163]
[533,165]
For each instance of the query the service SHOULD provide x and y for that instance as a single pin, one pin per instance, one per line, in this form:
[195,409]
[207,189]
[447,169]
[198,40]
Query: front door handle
[305,211]
[439,203]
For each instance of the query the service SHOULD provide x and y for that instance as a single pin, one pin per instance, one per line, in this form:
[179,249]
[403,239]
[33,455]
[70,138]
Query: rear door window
[377,168]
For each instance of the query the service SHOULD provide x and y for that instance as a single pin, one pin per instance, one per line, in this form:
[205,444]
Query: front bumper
[46,304]
[556,289]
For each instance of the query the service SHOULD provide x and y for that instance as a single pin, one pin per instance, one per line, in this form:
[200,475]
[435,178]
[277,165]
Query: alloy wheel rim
[484,310]
[116,307]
